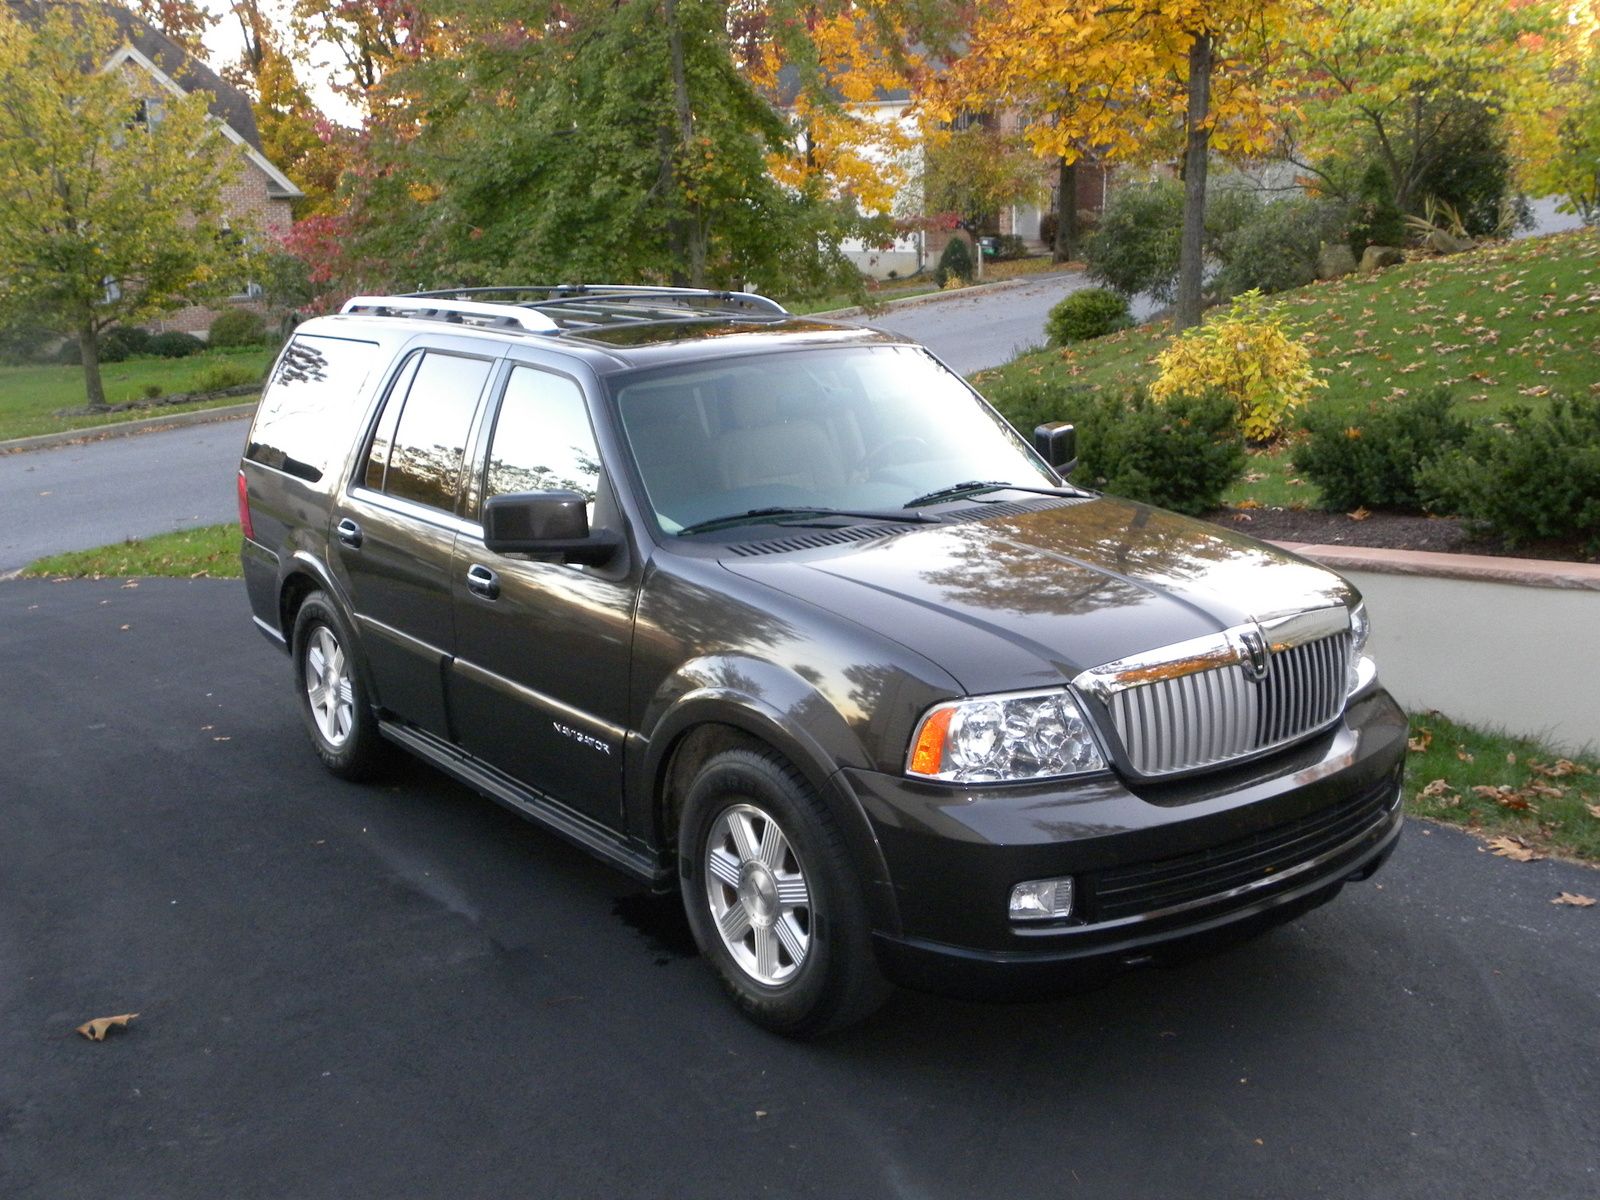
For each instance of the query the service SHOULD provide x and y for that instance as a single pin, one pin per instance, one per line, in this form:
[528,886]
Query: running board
[556,817]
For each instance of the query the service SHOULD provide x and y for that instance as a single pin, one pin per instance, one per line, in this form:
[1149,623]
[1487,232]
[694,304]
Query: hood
[1030,600]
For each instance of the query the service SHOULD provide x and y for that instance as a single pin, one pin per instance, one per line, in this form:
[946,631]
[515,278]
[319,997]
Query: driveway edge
[975,289]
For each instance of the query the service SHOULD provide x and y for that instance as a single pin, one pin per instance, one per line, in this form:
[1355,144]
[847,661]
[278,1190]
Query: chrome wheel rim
[329,689]
[760,902]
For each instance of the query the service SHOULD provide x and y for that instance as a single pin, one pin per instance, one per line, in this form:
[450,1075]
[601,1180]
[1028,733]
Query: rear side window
[310,405]
[425,444]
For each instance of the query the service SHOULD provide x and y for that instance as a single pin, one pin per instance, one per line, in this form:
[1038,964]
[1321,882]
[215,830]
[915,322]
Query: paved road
[404,991]
[102,492]
[972,332]
[75,497]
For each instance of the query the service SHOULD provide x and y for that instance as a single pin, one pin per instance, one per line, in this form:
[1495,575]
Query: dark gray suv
[781,615]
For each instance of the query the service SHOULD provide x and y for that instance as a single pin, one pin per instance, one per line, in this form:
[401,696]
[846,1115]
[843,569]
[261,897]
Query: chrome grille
[1205,717]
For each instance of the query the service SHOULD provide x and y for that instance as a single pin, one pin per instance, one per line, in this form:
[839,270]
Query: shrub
[125,341]
[1248,355]
[1533,475]
[1181,454]
[237,327]
[1091,313]
[1370,458]
[1375,219]
[954,263]
[1470,170]
[1135,246]
[1277,247]
[217,376]
[69,353]
[153,391]
[1010,246]
[175,345]
[1047,229]
[1229,209]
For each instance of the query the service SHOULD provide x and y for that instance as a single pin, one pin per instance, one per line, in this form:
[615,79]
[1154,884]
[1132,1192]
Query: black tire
[355,749]
[835,980]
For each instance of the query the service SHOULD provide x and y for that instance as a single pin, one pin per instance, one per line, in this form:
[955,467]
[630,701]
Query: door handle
[348,532]
[483,582]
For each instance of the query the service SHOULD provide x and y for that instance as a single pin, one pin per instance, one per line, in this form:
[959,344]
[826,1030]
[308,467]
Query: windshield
[865,428]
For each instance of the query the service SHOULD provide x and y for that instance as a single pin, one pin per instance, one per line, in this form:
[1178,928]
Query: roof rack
[615,293]
[505,316]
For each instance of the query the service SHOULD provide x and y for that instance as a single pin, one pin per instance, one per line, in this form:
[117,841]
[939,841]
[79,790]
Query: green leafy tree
[110,188]
[975,170]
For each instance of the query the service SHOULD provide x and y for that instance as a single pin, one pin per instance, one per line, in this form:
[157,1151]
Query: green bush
[1375,219]
[1229,209]
[1010,246]
[1135,246]
[1091,313]
[1276,247]
[955,262]
[237,327]
[123,341]
[1370,458]
[175,345]
[1181,454]
[1471,171]
[69,353]
[1530,476]
[219,375]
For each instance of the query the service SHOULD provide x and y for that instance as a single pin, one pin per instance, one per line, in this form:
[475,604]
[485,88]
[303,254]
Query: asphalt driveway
[404,991]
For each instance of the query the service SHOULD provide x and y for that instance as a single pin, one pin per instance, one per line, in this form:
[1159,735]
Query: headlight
[1361,669]
[996,739]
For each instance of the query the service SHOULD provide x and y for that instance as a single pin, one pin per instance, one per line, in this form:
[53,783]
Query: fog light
[1041,900]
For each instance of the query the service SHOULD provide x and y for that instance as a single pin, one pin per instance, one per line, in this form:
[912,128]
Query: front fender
[779,708]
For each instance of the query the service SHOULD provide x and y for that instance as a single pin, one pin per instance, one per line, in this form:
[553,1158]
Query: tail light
[244,507]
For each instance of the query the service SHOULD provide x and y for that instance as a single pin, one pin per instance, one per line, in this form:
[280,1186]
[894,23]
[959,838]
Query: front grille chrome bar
[1230,695]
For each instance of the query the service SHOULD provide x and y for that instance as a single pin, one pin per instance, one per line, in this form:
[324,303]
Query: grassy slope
[30,396]
[1506,324]
[211,551]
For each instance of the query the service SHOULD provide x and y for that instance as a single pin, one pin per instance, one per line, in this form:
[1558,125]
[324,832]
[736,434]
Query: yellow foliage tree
[1113,78]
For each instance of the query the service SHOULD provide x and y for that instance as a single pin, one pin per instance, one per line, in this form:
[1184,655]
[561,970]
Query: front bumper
[1161,872]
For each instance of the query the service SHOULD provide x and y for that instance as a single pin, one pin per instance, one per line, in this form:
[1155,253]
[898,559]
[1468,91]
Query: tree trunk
[1191,250]
[89,343]
[1066,246]
[693,232]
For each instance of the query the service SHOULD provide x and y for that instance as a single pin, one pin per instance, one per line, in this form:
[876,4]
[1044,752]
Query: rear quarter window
[311,405]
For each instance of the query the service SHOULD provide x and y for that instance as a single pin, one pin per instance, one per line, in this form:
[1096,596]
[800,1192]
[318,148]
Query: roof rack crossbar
[513,316]
[615,292]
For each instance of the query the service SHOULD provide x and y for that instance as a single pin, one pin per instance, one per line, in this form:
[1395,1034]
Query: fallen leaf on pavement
[97,1029]
[1574,900]
[1515,849]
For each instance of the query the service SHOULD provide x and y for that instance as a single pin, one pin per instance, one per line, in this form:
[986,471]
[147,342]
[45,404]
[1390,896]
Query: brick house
[260,195]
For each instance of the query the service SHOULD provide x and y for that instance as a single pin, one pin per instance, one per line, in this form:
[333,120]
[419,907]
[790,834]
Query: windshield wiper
[760,515]
[972,487]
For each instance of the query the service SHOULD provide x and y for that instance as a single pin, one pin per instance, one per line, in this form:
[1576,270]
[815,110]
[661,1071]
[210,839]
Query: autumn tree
[1114,77]
[974,170]
[110,187]
[184,21]
[1405,82]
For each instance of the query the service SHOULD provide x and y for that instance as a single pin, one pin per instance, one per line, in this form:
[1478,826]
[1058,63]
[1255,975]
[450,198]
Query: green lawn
[211,551]
[1504,787]
[1509,323]
[31,396]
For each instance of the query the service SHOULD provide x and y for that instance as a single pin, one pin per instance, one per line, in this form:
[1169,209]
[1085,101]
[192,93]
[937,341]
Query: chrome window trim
[410,508]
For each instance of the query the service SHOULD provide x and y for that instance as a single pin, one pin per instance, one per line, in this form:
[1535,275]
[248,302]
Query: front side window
[858,428]
[542,438]
[429,438]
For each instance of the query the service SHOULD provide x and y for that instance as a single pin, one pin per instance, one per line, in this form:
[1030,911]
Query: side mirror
[546,523]
[1057,444]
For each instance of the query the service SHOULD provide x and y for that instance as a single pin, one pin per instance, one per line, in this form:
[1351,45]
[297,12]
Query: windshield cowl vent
[815,539]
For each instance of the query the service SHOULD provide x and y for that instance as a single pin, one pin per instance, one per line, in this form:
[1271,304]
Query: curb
[100,433]
[1483,568]
[976,289]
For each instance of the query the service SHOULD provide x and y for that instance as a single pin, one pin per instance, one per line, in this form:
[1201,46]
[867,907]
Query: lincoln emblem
[1256,659]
